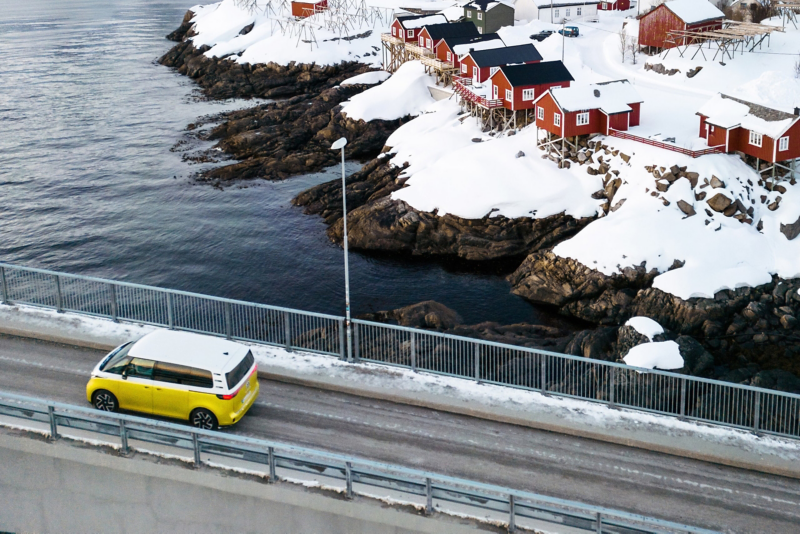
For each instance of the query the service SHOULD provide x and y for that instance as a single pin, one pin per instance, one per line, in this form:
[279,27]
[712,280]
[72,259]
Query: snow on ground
[405,93]
[645,326]
[659,355]
[368,78]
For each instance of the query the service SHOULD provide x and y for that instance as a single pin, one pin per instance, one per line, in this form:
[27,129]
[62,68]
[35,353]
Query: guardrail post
[53,425]
[683,398]
[414,351]
[287,332]
[611,386]
[114,309]
[273,474]
[228,321]
[348,475]
[342,348]
[196,442]
[4,284]
[543,374]
[599,523]
[512,515]
[477,362]
[757,412]
[123,438]
[356,343]
[59,297]
[428,496]
[170,312]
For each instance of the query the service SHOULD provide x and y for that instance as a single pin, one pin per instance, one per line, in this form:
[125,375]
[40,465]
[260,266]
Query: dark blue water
[88,183]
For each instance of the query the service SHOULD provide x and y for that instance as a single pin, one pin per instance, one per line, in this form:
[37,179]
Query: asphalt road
[638,481]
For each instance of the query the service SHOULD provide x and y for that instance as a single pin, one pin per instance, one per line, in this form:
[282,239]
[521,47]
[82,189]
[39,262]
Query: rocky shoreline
[749,335]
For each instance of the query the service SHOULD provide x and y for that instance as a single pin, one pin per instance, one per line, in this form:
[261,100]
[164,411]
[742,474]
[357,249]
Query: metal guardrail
[614,384]
[430,491]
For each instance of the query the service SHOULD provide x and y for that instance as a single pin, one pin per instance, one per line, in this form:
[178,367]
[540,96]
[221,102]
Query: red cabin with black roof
[407,27]
[480,65]
[519,85]
[431,34]
[452,49]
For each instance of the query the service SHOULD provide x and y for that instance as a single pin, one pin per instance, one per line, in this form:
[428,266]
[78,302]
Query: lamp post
[337,145]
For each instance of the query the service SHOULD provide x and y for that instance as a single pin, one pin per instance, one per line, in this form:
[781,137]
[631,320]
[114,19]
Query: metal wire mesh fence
[615,384]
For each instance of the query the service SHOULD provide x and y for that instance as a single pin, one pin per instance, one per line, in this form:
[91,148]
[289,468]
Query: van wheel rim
[203,420]
[104,402]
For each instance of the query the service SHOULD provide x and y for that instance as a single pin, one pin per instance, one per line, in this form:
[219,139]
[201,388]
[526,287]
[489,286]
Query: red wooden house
[519,85]
[761,132]
[431,34]
[677,15]
[452,49]
[588,109]
[407,27]
[308,8]
[482,64]
[614,5]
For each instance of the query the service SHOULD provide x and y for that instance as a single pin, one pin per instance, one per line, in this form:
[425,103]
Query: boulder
[791,230]
[716,183]
[594,344]
[692,177]
[427,314]
[662,185]
[520,154]
[697,361]
[686,208]
[719,202]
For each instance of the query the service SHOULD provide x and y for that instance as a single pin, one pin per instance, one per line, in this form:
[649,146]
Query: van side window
[140,368]
[117,365]
[182,374]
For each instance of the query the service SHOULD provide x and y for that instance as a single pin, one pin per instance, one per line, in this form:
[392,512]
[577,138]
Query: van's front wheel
[105,400]
[202,418]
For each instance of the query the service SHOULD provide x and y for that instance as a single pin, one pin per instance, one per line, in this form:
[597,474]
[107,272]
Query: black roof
[481,4]
[537,73]
[455,41]
[452,29]
[494,57]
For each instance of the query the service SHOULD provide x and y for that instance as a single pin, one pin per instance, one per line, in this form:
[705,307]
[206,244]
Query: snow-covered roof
[728,112]
[694,11]
[453,13]
[611,97]
[185,348]
[412,23]
[464,48]
[485,5]
[545,4]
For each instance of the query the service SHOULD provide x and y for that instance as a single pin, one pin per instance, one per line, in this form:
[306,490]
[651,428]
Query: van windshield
[235,376]
[118,359]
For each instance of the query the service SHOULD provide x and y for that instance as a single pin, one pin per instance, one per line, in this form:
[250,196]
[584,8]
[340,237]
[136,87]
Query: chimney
[471,50]
[797,111]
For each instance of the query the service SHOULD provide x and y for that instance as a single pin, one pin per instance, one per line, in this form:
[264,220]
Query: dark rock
[594,344]
[686,208]
[697,361]
[427,314]
[791,230]
[716,183]
[520,154]
[719,202]
[627,338]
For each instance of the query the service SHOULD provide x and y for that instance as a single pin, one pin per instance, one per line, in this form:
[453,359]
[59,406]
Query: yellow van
[208,381]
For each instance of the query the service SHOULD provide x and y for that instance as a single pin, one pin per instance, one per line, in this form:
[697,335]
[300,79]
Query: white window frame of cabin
[579,12]
[496,92]
[480,30]
[492,70]
[476,74]
[480,15]
[509,95]
[540,113]
[528,94]
[429,42]
[783,144]
[557,119]
[567,12]
[756,139]
[582,119]
[449,56]
[421,41]
[463,68]
[469,14]
[555,13]
[410,34]
[394,31]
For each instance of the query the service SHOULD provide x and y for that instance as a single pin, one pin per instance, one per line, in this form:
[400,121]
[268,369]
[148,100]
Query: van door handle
[147,387]
[158,389]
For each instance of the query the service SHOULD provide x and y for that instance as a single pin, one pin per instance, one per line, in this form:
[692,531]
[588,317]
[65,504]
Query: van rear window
[235,376]
[182,374]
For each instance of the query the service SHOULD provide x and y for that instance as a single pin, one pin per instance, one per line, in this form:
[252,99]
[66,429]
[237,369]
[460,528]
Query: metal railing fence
[614,384]
[429,491]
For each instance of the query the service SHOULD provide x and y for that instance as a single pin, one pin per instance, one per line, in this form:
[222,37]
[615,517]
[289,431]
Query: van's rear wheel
[202,418]
[105,400]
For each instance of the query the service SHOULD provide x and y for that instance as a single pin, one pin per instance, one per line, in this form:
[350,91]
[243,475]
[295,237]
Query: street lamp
[337,145]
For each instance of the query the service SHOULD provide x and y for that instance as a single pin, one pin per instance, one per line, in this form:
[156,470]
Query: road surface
[638,481]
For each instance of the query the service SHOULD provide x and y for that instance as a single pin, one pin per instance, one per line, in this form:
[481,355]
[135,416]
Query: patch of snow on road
[658,355]
[645,326]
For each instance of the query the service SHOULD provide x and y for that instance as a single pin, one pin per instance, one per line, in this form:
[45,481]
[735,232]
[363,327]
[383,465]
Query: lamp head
[339,143]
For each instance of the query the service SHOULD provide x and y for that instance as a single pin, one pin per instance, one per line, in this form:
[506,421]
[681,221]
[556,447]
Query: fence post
[53,424]
[114,310]
[683,398]
[757,412]
[273,475]
[348,475]
[342,348]
[612,371]
[477,362]
[287,332]
[170,314]
[429,496]
[414,351]
[123,438]
[4,284]
[543,374]
[512,515]
[599,523]
[228,321]
[196,442]
[356,343]
[59,297]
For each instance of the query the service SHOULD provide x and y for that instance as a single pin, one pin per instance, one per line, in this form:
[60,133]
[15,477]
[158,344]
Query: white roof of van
[185,348]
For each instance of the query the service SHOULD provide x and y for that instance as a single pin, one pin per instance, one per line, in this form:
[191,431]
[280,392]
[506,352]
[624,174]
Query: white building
[555,11]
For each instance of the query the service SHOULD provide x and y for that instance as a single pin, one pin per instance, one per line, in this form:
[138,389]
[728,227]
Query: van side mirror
[125,374]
